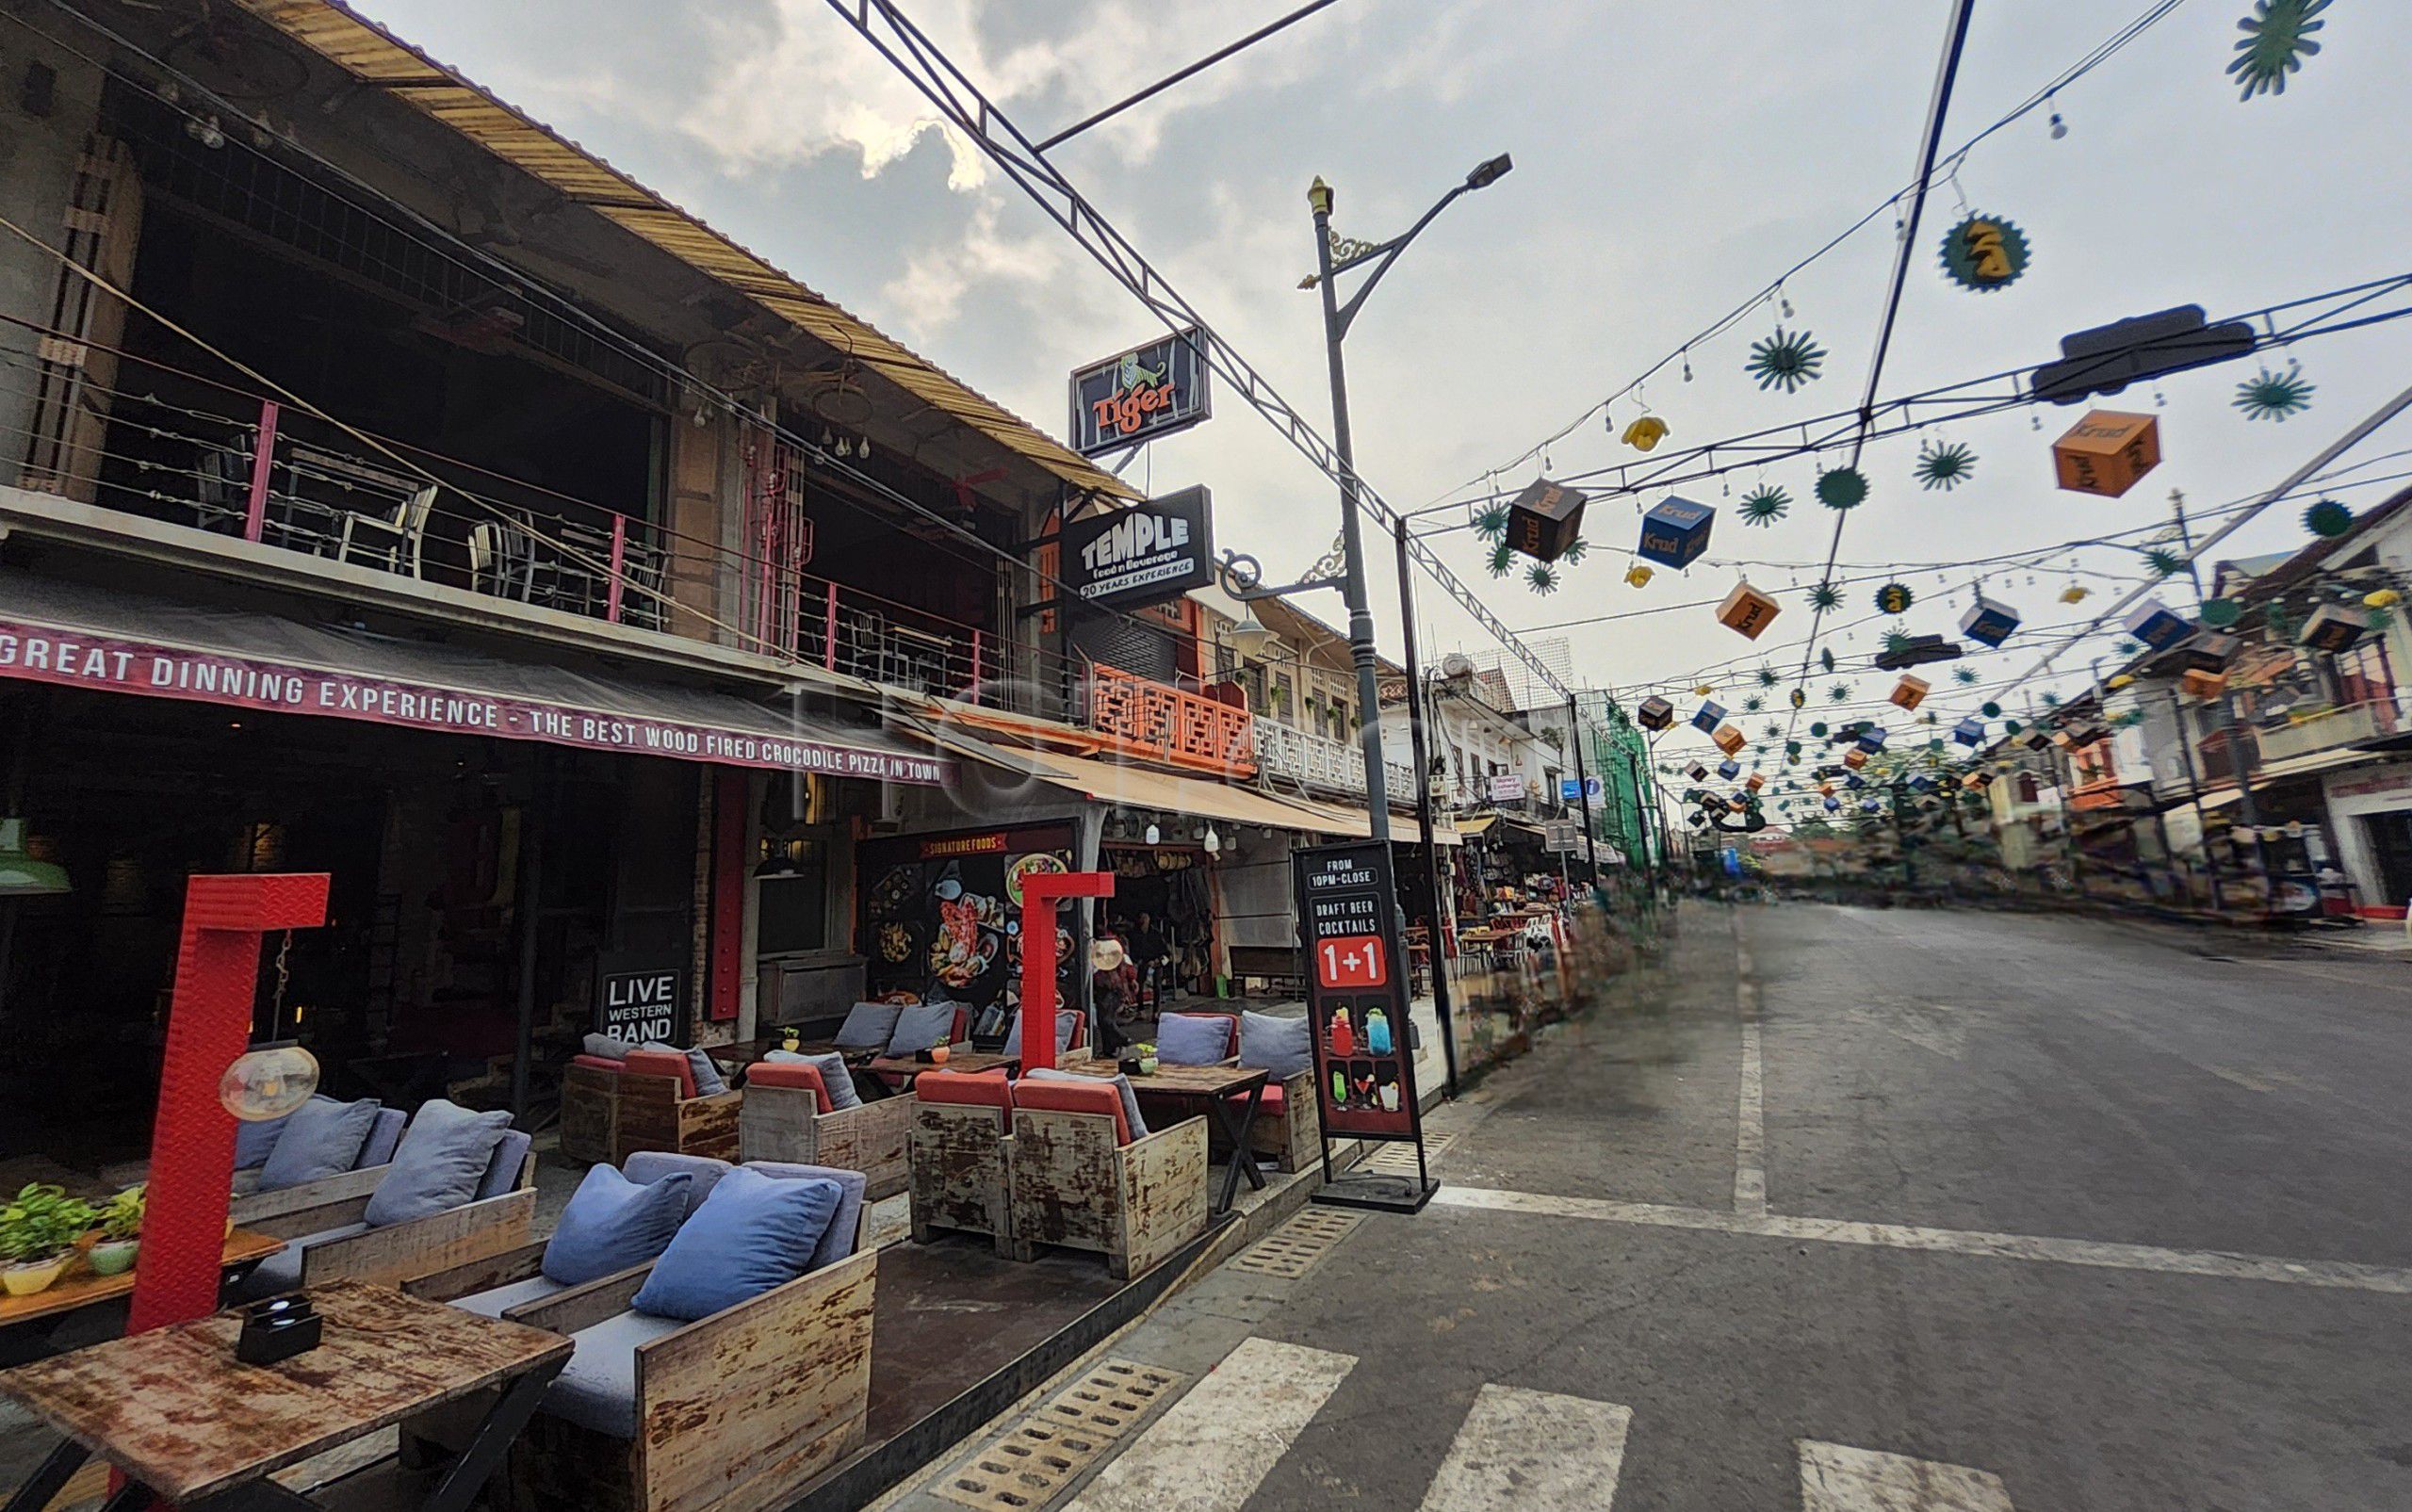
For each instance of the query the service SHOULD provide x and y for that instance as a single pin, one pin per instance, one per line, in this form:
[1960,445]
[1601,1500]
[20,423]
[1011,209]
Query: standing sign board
[1356,1006]
[1147,553]
[640,996]
[1141,394]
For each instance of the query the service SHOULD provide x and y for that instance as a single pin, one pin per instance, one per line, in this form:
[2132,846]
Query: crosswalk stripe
[1214,1447]
[1520,1451]
[1837,1478]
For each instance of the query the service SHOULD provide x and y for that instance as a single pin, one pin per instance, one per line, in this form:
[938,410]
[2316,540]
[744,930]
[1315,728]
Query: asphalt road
[2033,1212]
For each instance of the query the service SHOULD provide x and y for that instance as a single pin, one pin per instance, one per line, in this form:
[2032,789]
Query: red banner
[38,653]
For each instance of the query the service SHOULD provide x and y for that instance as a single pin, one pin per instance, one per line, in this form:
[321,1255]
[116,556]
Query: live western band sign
[38,653]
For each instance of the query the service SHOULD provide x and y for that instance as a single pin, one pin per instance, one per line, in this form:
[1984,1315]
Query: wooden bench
[788,1115]
[1076,1178]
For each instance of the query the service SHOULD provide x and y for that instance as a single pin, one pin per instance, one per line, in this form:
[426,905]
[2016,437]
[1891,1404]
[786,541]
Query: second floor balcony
[1322,764]
[2330,729]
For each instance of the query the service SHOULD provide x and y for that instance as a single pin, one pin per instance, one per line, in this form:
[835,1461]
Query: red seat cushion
[597,1063]
[790,1074]
[1091,1096]
[1272,1102]
[672,1064]
[983,1090]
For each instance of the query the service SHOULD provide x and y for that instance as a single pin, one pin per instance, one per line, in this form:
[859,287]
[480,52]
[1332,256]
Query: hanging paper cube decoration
[1675,533]
[2040,741]
[2197,683]
[1708,717]
[1832,804]
[1989,621]
[1729,768]
[2107,452]
[1545,519]
[1655,713]
[2333,627]
[2157,627]
[1755,783]
[1872,740]
[1855,759]
[1970,731]
[1910,692]
[1747,611]
[1854,781]
[1697,772]
[1921,783]
[1869,805]
[2211,651]
[1728,739]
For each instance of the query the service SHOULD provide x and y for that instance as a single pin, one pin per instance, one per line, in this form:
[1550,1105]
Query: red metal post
[263,458]
[1039,892]
[619,561]
[192,1137]
[731,787]
[829,632]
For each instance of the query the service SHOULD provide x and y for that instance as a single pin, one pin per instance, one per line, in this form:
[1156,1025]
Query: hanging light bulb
[1688,365]
[2059,127]
[1784,301]
[1213,841]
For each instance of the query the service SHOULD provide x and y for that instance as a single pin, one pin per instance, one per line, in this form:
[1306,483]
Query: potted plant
[39,1227]
[1147,1052]
[120,1232]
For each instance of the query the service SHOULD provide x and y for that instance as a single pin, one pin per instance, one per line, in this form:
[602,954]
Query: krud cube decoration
[1708,717]
[2157,626]
[1729,768]
[2107,452]
[1990,622]
[2333,627]
[2199,683]
[1697,772]
[1745,611]
[2212,651]
[1833,804]
[1854,758]
[1872,740]
[1676,532]
[1910,692]
[1728,739]
[1755,783]
[1545,519]
[1970,731]
[1655,713]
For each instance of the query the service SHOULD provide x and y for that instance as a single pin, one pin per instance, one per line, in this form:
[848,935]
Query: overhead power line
[1191,71]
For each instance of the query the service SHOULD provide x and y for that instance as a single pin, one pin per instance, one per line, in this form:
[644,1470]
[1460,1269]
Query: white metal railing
[1319,761]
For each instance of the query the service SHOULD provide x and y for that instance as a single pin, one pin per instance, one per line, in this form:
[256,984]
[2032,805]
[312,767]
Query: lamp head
[1486,174]
[1249,636]
[1319,196]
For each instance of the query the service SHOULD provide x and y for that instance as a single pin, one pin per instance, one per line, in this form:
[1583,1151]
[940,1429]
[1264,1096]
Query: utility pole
[1583,785]
[1436,895]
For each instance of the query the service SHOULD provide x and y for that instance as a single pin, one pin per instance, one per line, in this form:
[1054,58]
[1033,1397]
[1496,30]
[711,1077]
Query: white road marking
[1837,1478]
[2216,1264]
[1214,1447]
[1750,1123]
[1529,1450]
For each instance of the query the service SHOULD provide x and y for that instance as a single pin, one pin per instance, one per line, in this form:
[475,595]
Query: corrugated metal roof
[375,56]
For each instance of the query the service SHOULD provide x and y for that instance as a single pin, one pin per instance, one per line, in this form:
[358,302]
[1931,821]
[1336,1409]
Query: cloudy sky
[1669,161]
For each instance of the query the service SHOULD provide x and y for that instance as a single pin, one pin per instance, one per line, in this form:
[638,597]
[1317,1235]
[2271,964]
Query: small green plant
[40,1223]
[121,1216]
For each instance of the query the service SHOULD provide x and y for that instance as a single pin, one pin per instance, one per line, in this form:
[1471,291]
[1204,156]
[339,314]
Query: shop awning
[75,636]
[1359,823]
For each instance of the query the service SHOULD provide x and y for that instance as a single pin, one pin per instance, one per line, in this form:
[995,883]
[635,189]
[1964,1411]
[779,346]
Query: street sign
[640,996]
[1506,786]
[1561,836]
[1356,994]
[1571,790]
[1141,394]
[1147,553]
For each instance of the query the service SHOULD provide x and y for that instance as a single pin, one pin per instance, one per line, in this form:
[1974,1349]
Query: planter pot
[1148,1066]
[23,1280]
[113,1257]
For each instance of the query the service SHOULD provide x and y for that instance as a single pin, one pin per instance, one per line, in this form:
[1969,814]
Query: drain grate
[1031,1463]
[1399,1160]
[1293,1250]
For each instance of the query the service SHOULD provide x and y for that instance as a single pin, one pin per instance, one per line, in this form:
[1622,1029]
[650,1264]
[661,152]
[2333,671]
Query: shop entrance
[1163,912]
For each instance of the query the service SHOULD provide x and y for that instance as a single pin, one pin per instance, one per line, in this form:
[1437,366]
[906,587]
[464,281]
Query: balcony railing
[1320,762]
[1172,724]
[2329,730]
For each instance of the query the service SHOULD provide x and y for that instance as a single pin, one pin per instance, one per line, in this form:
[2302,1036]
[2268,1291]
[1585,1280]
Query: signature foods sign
[1141,394]
[1146,554]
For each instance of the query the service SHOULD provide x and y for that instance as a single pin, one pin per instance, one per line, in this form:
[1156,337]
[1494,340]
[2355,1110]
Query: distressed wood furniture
[31,1327]
[957,1162]
[590,1128]
[901,1071]
[658,1109]
[1212,1090]
[334,1248]
[1285,1129]
[1076,1179]
[188,1423]
[788,1116]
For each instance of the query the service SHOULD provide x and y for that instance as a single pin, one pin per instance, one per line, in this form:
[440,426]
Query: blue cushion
[1193,1039]
[846,1224]
[867,1025]
[319,1141]
[1066,1020]
[385,1132]
[1281,1044]
[834,1076]
[1121,1085]
[709,1082]
[646,1166]
[253,1142]
[753,1234]
[503,1171]
[598,1388]
[496,1301]
[439,1164]
[612,1222]
[922,1026]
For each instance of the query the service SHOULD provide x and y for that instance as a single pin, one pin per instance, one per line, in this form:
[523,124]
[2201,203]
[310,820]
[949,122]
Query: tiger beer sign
[1141,394]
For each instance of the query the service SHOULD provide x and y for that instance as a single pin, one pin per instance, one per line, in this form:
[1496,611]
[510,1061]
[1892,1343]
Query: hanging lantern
[1989,621]
[1655,713]
[1637,575]
[1910,692]
[2202,684]
[1675,532]
[2154,625]
[2106,452]
[1708,717]
[1747,611]
[1969,732]
[2333,627]
[1545,519]
[1728,740]
[1646,432]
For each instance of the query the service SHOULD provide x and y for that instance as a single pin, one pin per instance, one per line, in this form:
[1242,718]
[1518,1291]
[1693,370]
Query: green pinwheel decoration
[2165,562]
[1764,505]
[1574,551]
[1541,577]
[2277,38]
[1775,732]
[1503,559]
[1754,704]
[2268,396]
[2051,700]
[1825,597]
[1990,709]
[1785,360]
[1842,488]
[1839,694]
[1491,522]
[1769,677]
[1896,641]
[1966,676]
[2328,518]
[2127,647]
[1945,464]
[2220,613]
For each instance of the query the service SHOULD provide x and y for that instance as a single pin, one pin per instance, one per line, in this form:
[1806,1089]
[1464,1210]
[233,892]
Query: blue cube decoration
[1872,740]
[1854,781]
[1990,623]
[1970,731]
[2159,627]
[1922,783]
[1709,718]
[1833,804]
[1729,768]
[1676,535]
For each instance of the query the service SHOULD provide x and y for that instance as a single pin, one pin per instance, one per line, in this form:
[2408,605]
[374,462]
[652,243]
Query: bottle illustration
[1377,1031]
[1343,1035]
[1339,1086]
[1389,1097]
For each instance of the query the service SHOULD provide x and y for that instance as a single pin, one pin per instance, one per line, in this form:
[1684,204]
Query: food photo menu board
[1356,997]
[941,917]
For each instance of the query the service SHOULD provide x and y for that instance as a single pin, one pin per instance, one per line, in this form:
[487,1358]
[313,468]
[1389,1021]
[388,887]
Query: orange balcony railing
[1172,725]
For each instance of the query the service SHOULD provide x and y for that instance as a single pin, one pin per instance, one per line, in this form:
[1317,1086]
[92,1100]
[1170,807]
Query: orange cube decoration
[1747,611]
[2204,685]
[1910,692]
[1755,783]
[1728,740]
[2107,452]
[1854,759]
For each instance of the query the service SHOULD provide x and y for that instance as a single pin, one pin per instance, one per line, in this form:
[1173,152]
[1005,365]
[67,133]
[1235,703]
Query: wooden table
[67,1313]
[1211,1089]
[971,1063]
[187,1421]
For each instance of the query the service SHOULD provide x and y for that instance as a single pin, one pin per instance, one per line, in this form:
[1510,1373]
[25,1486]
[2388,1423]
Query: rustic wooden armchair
[1077,1177]
[332,1240]
[1285,1131]
[957,1159]
[657,1108]
[590,1129]
[789,1115]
